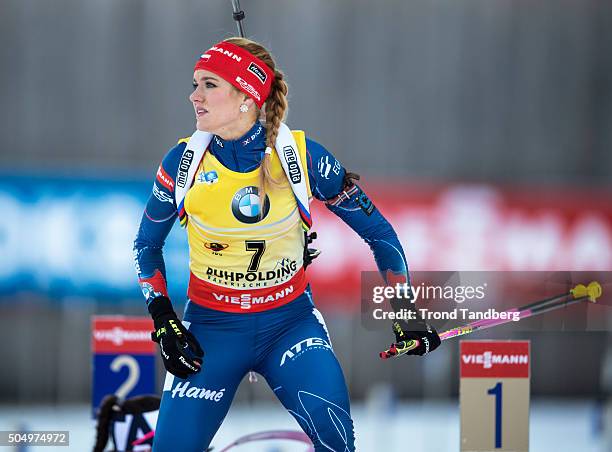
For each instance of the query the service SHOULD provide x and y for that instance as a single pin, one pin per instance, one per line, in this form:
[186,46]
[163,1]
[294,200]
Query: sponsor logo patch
[246,205]
[153,286]
[216,246]
[258,72]
[162,195]
[248,87]
[184,165]
[282,271]
[325,167]
[218,141]
[312,343]
[164,179]
[182,390]
[364,202]
[209,177]
[226,53]
[252,137]
[294,170]
[247,300]
[148,291]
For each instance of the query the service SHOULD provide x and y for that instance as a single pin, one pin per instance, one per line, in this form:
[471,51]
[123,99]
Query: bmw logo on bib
[246,205]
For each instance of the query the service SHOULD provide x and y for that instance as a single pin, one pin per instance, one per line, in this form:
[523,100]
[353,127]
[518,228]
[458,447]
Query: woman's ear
[248,100]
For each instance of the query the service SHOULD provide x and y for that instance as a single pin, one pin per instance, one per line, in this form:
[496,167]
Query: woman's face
[217,104]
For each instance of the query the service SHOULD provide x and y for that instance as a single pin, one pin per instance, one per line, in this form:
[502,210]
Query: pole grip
[593,291]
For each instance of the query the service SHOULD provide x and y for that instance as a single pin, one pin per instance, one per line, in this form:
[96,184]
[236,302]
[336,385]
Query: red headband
[240,68]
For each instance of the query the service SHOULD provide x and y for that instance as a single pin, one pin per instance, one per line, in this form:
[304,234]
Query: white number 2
[133,373]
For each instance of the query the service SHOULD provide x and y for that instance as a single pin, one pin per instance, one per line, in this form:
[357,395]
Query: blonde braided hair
[275,110]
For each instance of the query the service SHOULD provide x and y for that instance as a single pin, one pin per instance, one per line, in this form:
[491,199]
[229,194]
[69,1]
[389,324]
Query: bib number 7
[258,246]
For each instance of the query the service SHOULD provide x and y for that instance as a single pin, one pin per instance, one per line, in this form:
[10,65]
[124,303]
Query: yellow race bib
[245,253]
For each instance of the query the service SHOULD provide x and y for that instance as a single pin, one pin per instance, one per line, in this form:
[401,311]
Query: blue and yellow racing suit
[249,303]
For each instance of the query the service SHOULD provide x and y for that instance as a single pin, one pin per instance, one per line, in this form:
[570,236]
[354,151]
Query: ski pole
[238,16]
[578,294]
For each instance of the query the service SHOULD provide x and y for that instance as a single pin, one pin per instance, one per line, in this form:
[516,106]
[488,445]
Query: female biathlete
[241,189]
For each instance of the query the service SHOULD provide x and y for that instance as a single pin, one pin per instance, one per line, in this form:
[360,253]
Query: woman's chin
[202,127]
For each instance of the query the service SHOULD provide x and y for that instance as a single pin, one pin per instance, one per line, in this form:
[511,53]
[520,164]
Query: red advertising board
[494,359]
[117,334]
[464,227]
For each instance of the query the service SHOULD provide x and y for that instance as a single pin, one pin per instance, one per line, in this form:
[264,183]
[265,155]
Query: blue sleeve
[157,221]
[348,201]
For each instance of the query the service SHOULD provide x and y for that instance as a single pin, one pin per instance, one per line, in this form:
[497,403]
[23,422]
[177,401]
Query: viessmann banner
[65,237]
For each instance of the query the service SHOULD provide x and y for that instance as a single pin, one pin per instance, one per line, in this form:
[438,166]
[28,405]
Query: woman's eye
[210,85]
[195,85]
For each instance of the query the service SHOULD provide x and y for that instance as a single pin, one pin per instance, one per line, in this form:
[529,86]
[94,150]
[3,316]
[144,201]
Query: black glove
[412,337]
[180,350]
[412,342]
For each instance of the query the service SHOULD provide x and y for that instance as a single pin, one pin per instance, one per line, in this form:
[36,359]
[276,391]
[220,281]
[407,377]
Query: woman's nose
[195,96]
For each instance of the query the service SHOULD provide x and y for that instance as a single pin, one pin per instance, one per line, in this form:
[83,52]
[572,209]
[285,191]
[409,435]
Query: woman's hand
[408,341]
[181,353]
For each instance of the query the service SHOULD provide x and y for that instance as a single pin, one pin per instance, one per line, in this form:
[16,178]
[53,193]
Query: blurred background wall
[512,91]
[490,120]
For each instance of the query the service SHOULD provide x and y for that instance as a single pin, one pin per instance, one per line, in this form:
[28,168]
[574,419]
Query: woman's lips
[201,112]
